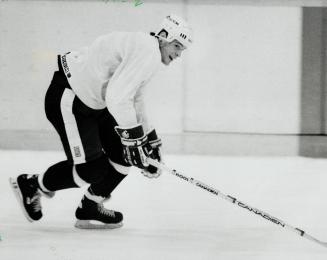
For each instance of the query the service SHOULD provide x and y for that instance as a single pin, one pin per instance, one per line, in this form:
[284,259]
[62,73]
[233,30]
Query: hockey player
[95,103]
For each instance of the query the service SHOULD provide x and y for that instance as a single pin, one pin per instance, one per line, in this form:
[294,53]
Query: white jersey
[112,73]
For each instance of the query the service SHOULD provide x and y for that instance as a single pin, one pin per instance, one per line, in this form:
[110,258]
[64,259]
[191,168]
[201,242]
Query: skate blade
[92,224]
[19,197]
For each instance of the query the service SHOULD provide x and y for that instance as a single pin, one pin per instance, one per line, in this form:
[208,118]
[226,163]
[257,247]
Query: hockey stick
[235,201]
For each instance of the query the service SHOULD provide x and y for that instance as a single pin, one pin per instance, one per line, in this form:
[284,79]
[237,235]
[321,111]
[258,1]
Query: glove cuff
[130,133]
[153,139]
[152,135]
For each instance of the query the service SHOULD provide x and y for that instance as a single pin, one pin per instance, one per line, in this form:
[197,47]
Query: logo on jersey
[125,134]
[65,66]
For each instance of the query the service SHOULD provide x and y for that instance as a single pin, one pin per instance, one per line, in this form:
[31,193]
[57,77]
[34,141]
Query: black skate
[91,215]
[28,194]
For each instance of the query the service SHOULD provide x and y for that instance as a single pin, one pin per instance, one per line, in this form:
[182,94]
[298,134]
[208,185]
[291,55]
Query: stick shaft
[235,201]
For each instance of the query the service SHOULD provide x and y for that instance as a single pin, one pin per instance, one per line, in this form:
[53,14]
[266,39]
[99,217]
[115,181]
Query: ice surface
[168,218]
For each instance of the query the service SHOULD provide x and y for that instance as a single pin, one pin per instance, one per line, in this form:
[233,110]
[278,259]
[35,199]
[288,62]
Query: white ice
[168,218]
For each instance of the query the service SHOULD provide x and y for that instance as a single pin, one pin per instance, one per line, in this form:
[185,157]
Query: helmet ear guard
[159,34]
[176,29]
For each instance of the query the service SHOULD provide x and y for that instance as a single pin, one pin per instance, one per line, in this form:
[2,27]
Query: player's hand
[155,142]
[136,146]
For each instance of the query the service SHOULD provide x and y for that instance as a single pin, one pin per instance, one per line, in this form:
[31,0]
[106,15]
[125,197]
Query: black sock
[59,177]
[107,184]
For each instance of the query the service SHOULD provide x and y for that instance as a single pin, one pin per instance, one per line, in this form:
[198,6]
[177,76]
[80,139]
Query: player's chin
[167,61]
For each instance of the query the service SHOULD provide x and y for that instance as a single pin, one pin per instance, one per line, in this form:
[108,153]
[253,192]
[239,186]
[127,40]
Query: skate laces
[35,202]
[105,211]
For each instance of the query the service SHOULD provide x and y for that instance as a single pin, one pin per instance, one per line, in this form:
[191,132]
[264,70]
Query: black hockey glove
[155,142]
[136,146]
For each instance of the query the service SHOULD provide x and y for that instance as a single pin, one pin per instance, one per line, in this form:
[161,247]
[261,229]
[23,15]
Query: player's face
[170,51]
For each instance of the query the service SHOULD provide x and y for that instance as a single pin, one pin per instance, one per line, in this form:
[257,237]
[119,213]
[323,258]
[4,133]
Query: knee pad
[92,171]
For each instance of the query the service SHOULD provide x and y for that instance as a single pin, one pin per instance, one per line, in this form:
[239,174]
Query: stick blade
[313,239]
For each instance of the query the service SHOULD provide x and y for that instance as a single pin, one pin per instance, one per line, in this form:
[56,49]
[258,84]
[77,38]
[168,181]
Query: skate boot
[93,215]
[28,194]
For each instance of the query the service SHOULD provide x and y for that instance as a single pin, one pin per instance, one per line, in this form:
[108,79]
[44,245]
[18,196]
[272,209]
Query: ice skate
[92,215]
[29,194]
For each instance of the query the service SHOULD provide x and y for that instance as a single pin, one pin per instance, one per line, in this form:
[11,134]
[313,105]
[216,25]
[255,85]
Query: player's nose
[176,55]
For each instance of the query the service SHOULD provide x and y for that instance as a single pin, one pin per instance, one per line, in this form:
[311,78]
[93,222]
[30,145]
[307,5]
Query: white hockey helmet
[176,29]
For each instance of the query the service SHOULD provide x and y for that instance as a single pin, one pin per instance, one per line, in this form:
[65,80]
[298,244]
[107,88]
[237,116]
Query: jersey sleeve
[139,105]
[122,91]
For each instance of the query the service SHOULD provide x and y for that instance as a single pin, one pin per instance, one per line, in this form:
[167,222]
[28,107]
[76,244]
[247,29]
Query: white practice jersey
[112,73]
